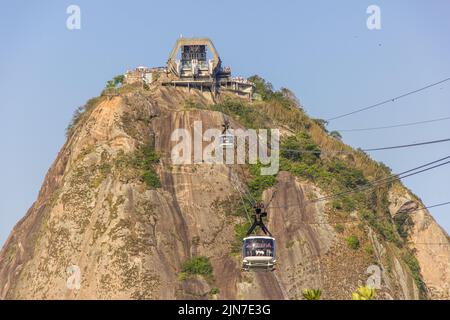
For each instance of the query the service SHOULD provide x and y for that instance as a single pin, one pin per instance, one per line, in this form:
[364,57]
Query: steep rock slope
[130,230]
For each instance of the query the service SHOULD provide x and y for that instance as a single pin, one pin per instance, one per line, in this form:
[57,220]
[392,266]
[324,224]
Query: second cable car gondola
[226,138]
[258,252]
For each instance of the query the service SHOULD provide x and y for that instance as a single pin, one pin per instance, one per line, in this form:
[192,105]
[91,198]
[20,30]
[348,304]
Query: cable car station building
[195,63]
[193,69]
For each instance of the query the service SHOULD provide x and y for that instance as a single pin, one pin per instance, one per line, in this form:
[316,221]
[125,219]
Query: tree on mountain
[115,82]
[262,87]
[322,124]
[335,134]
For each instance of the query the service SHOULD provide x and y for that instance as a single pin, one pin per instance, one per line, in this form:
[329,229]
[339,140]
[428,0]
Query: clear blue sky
[321,50]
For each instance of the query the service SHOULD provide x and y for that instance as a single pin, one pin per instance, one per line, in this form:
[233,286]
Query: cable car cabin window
[227,140]
[259,247]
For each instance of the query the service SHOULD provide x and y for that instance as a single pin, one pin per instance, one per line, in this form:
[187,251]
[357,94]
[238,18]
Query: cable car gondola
[226,138]
[258,252]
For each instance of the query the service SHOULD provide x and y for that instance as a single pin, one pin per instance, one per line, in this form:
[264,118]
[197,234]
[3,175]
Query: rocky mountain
[116,214]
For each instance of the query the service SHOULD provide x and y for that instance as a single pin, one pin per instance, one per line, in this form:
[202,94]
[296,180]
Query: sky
[321,50]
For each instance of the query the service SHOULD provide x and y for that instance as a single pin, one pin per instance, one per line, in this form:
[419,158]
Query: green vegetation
[301,156]
[142,163]
[339,228]
[262,87]
[335,134]
[214,291]
[11,252]
[267,93]
[197,266]
[348,177]
[151,179]
[403,223]
[289,244]
[247,115]
[300,148]
[79,114]
[364,293]
[190,104]
[369,249]
[312,294]
[322,124]
[147,158]
[382,226]
[258,183]
[115,82]
[413,265]
[240,231]
[183,276]
[353,242]
[345,203]
[278,107]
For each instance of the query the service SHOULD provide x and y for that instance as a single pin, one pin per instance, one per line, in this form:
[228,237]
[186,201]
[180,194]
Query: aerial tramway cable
[368,149]
[386,180]
[394,126]
[381,183]
[388,100]
[352,220]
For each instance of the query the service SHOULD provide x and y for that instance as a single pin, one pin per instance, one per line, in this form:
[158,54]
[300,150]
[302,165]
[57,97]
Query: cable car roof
[259,237]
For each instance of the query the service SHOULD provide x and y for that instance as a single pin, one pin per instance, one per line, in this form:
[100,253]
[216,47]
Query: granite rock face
[96,222]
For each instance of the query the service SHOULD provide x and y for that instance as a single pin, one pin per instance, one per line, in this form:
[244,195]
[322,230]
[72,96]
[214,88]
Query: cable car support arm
[258,221]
